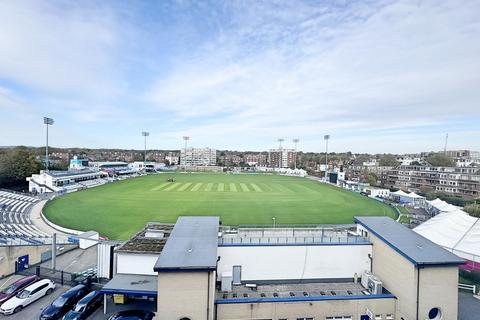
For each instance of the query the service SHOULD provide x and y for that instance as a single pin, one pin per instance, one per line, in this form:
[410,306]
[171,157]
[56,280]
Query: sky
[378,76]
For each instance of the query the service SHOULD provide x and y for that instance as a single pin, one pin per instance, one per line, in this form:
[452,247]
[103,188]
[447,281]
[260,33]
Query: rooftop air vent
[154,233]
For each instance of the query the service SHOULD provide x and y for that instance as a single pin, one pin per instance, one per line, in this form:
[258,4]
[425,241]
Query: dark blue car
[64,303]
[85,307]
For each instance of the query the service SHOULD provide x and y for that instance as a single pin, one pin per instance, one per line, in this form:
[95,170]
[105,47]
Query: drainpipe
[371,262]
[418,289]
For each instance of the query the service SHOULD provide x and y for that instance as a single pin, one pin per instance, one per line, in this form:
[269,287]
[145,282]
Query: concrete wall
[295,262]
[313,309]
[186,294]
[10,254]
[437,287]
[133,263]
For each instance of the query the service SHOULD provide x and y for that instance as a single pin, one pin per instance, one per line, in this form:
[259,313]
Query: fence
[61,277]
[469,287]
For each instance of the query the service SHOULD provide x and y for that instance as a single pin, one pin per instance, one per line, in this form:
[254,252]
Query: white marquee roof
[455,231]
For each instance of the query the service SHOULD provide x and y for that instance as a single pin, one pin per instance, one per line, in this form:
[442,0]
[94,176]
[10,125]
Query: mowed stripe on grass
[172,186]
[185,186]
[244,187]
[160,186]
[209,186]
[221,187]
[256,187]
[197,186]
[233,187]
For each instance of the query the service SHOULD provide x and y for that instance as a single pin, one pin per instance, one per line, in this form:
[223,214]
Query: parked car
[132,315]
[29,294]
[64,303]
[85,307]
[16,287]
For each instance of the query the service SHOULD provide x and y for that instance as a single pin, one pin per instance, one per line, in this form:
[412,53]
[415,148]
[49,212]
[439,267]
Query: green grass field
[119,209]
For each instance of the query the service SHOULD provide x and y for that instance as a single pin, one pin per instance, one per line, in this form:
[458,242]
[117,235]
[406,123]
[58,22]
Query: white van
[28,295]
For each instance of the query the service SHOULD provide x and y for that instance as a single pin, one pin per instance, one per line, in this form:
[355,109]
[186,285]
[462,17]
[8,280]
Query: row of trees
[15,165]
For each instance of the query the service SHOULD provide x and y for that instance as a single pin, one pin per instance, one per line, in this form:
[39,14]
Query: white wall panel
[295,262]
[136,263]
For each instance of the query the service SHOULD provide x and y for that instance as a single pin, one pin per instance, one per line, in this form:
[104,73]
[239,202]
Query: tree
[473,210]
[440,160]
[388,160]
[16,165]
[372,179]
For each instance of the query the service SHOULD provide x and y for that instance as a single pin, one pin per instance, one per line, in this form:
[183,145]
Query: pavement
[76,260]
[468,306]
[36,218]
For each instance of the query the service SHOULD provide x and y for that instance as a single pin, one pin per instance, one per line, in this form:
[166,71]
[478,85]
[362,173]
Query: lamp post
[145,135]
[273,219]
[185,138]
[48,122]
[295,141]
[326,137]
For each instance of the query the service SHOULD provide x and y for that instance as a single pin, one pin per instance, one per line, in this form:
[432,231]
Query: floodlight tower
[145,135]
[326,138]
[280,142]
[280,152]
[47,122]
[295,141]
[186,138]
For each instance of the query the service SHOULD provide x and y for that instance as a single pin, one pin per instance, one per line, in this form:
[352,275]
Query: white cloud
[402,64]
[244,73]
[62,49]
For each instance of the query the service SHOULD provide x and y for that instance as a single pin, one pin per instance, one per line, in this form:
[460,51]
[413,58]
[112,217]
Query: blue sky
[378,76]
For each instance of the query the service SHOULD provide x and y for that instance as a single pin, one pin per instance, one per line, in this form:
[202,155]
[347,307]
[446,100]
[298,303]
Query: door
[364,317]
[22,263]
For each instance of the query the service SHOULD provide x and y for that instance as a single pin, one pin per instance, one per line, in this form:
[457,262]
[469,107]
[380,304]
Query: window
[389,316]
[435,314]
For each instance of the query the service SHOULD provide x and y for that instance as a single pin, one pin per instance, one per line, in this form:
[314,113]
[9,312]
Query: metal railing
[468,287]
[292,240]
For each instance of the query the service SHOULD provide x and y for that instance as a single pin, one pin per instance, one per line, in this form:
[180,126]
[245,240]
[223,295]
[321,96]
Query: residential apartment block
[198,157]
[281,158]
[457,181]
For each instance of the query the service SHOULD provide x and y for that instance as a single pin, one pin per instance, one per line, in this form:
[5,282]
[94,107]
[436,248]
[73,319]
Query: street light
[273,221]
[48,122]
[145,135]
[326,137]
[185,138]
[295,141]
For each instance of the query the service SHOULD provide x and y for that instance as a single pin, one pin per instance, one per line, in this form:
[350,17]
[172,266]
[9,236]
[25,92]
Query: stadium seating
[15,225]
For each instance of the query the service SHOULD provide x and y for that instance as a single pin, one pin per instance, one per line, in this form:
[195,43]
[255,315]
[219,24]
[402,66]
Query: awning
[132,285]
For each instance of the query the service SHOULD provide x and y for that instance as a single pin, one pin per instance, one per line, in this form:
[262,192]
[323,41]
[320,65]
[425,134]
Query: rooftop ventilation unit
[365,276]
[375,285]
[154,233]
[226,281]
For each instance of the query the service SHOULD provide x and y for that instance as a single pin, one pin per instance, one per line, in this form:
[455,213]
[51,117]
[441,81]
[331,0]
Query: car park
[28,295]
[64,303]
[16,287]
[132,315]
[85,307]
